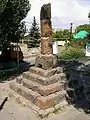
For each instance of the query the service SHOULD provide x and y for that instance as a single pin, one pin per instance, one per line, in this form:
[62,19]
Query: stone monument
[43,84]
[46,29]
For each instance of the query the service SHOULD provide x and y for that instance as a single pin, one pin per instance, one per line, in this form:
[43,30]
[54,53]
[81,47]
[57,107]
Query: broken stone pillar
[46,29]
[43,84]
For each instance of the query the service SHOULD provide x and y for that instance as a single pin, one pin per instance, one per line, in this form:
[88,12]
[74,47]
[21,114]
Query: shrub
[76,43]
[71,53]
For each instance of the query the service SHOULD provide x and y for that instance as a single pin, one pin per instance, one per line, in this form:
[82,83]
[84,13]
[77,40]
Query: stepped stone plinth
[44,88]
[43,84]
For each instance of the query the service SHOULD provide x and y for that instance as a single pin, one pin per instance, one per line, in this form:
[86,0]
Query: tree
[66,33]
[58,34]
[85,27]
[61,34]
[34,34]
[12,12]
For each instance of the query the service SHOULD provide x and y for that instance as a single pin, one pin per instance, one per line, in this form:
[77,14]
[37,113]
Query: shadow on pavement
[77,84]
[10,70]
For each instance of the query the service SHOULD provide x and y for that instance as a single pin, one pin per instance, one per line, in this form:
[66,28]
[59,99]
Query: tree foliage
[85,27]
[12,12]
[34,34]
[61,34]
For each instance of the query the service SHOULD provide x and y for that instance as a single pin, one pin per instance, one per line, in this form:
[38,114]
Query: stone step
[43,102]
[25,92]
[51,100]
[46,73]
[41,89]
[45,80]
[40,112]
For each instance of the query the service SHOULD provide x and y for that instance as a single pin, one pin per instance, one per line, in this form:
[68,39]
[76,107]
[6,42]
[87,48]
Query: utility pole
[71,30]
[89,17]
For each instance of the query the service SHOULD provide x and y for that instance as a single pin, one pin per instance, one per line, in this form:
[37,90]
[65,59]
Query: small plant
[76,43]
[71,53]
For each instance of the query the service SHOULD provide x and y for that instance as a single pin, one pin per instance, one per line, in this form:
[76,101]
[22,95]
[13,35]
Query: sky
[63,12]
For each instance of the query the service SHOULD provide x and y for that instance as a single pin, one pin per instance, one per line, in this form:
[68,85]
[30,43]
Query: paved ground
[70,114]
[15,111]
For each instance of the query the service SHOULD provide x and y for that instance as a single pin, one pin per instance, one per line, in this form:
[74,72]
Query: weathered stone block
[46,73]
[42,80]
[26,74]
[27,93]
[31,76]
[19,79]
[31,85]
[49,101]
[46,102]
[41,89]
[63,77]
[47,90]
[46,61]
[53,79]
[61,105]
[45,113]
[61,94]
